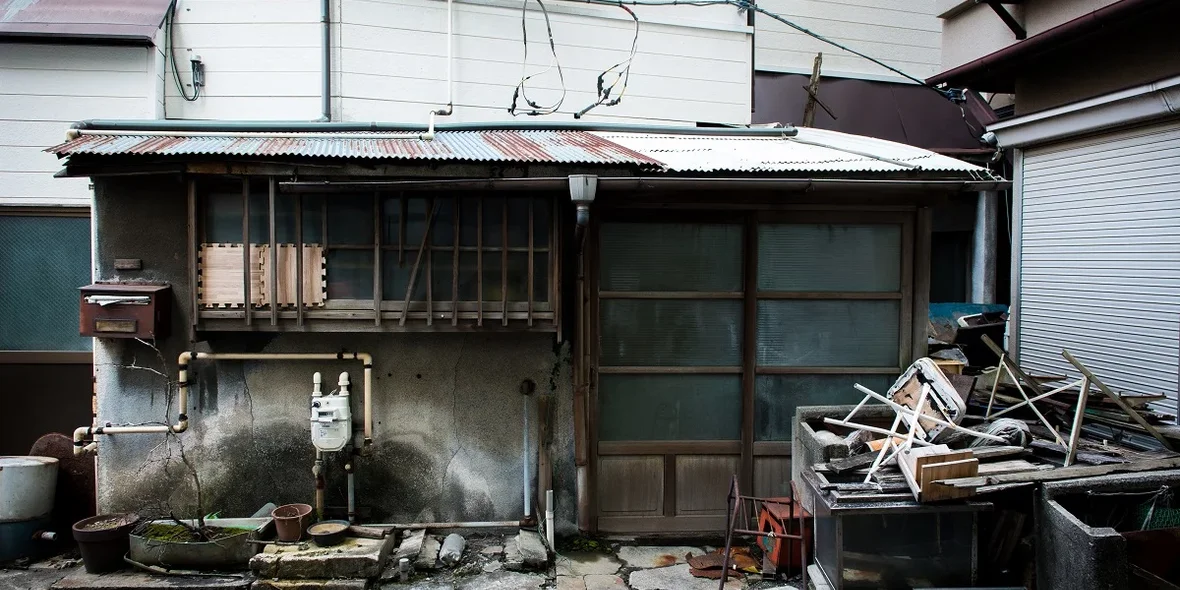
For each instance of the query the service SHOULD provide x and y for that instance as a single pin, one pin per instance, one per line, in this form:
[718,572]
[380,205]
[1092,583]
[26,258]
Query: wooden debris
[1074,472]
[923,466]
[852,463]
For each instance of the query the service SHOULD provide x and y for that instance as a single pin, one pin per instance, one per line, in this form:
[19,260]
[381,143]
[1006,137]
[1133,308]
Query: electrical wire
[172,58]
[621,71]
[521,91]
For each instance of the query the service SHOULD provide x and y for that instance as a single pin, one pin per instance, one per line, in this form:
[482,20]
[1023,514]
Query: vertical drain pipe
[326,61]
[351,491]
[527,387]
[450,108]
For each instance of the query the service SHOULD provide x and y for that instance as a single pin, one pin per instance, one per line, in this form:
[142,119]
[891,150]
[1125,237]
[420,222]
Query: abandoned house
[626,315]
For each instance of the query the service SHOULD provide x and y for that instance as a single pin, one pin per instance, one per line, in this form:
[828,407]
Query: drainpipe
[318,471]
[450,108]
[83,433]
[983,258]
[351,490]
[326,61]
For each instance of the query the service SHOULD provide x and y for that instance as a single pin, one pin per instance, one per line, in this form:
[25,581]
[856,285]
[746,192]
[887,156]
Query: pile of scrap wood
[958,436]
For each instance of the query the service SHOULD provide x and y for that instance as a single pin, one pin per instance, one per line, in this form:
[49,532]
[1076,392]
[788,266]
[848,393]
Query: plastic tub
[291,520]
[103,541]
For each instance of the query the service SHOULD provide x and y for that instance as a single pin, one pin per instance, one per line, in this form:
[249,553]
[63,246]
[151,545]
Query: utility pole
[813,92]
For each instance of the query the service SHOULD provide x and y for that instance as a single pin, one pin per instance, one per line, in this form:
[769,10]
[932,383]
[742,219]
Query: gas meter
[331,418]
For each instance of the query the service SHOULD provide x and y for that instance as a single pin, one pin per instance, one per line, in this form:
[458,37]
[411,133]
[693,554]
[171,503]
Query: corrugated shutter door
[1100,258]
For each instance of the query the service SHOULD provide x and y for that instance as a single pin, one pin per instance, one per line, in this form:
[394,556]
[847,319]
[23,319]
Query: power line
[621,70]
[521,91]
[172,58]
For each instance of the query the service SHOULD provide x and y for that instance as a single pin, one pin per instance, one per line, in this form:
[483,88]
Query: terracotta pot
[291,520]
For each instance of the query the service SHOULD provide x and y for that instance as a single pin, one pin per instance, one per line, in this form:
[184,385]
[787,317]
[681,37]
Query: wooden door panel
[772,477]
[631,485]
[702,483]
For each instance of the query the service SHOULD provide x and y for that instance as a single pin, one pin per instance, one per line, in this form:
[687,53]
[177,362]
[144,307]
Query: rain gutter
[130,126]
[633,183]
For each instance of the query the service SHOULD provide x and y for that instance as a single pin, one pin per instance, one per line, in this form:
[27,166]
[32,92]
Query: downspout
[83,433]
[450,108]
[326,61]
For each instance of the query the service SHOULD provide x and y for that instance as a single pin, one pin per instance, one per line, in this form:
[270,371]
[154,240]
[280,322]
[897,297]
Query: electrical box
[331,416]
[125,311]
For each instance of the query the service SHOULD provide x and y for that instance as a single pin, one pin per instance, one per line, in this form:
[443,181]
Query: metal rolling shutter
[1100,258]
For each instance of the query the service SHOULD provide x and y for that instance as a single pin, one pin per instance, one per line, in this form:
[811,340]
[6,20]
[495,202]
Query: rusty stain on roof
[540,146]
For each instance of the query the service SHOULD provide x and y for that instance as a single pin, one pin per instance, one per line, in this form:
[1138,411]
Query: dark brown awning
[98,21]
[996,72]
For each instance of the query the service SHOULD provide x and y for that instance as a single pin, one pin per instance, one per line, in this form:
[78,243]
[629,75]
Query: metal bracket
[1017,28]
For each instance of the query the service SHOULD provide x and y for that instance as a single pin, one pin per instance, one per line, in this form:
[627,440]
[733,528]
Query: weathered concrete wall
[1072,554]
[447,409]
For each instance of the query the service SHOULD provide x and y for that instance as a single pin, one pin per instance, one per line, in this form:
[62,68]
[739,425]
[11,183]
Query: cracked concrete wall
[447,412]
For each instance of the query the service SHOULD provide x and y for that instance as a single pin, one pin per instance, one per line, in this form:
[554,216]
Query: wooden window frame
[403,313]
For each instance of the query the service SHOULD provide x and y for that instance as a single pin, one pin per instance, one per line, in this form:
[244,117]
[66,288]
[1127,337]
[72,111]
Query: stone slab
[676,577]
[428,557]
[532,549]
[33,577]
[584,563]
[655,556]
[354,558]
[492,550]
[503,581]
[336,584]
[411,546]
[513,560]
[129,580]
[570,583]
[492,566]
[604,582]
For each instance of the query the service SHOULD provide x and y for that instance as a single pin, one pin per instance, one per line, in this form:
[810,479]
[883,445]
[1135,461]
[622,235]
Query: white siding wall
[262,59]
[1100,258]
[906,35]
[45,88]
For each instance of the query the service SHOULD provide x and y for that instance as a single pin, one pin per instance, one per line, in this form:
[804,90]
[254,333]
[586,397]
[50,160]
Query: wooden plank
[221,271]
[1072,472]
[417,264]
[247,305]
[299,277]
[852,463]
[377,270]
[1117,399]
[986,453]
[933,492]
[749,349]
[272,293]
[1011,466]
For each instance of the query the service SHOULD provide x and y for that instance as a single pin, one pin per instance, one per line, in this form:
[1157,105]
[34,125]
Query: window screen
[43,262]
[829,257]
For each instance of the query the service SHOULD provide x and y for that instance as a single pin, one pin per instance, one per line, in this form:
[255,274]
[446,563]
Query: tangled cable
[621,71]
[521,93]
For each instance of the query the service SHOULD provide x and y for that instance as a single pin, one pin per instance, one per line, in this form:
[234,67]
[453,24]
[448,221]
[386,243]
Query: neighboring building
[59,62]
[1096,145]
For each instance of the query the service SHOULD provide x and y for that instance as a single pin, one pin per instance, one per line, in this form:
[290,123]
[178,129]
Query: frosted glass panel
[824,333]
[350,274]
[43,262]
[669,407]
[653,332]
[829,257]
[777,396]
[671,257]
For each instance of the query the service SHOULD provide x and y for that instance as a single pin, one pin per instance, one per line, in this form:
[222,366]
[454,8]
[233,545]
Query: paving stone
[421,585]
[583,563]
[513,560]
[128,580]
[336,584]
[676,577]
[604,582]
[655,556]
[570,583]
[532,549]
[428,557]
[503,581]
[492,566]
[492,550]
[34,577]
[354,558]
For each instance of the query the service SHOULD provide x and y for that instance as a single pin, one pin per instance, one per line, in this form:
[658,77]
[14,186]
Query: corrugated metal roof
[569,147]
[811,150]
[116,20]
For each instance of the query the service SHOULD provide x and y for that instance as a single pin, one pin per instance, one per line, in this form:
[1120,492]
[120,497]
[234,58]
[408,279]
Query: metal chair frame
[744,510]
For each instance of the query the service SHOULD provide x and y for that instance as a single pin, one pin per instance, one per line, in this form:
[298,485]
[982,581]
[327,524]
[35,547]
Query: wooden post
[299,259]
[246,303]
[812,91]
[272,186]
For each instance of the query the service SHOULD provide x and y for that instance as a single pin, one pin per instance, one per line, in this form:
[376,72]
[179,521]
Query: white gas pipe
[84,433]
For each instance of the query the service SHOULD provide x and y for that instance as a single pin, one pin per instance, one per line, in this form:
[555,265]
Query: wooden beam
[274,251]
[247,305]
[299,259]
[414,271]
[813,92]
[1117,399]
[749,348]
[1009,20]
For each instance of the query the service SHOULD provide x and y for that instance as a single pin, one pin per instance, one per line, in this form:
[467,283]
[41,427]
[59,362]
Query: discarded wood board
[220,276]
[924,466]
[1072,472]
[315,284]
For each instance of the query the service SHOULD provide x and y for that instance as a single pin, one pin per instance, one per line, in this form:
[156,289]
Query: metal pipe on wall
[326,61]
[81,434]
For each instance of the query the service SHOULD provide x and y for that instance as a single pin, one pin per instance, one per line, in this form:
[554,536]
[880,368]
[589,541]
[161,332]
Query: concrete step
[353,558]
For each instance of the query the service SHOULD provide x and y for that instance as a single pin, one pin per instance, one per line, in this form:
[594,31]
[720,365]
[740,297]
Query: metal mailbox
[125,311]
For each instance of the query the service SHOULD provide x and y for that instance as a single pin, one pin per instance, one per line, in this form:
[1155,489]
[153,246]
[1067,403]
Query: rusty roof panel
[124,21]
[542,146]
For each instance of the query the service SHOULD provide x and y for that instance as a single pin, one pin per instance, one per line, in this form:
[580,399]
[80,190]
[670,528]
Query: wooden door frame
[913,301]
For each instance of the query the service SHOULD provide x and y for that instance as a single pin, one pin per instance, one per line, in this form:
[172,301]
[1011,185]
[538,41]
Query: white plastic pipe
[549,518]
[82,433]
[447,110]
[524,460]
